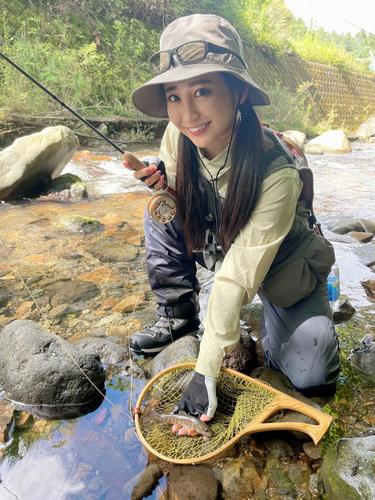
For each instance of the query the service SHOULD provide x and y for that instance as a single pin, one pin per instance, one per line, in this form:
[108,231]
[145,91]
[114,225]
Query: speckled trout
[181,418]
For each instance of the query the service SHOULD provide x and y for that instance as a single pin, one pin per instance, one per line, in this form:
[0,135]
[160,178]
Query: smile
[198,130]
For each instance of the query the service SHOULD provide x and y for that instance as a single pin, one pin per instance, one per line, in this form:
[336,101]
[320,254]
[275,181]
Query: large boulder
[367,129]
[38,368]
[348,470]
[298,137]
[333,140]
[34,158]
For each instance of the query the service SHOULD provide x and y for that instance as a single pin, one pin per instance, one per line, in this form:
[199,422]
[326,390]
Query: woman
[239,214]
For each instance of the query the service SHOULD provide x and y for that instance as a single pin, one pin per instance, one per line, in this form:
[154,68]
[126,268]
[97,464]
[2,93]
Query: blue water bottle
[334,284]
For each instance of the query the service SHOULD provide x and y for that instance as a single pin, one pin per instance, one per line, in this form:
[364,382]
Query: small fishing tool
[161,207]
[244,406]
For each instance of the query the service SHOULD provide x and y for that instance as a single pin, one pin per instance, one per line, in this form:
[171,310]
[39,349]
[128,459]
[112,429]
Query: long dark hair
[247,173]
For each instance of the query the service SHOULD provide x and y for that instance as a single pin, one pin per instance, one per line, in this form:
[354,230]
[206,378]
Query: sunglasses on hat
[187,53]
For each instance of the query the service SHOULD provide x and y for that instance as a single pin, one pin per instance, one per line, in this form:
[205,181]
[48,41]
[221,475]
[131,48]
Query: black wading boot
[161,333]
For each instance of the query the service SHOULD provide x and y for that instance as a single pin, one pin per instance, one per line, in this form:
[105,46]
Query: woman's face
[203,108]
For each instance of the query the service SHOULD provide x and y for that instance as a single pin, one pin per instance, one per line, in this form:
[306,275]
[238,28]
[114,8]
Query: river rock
[185,348]
[78,223]
[296,136]
[108,351]
[367,129]
[113,251]
[364,357]
[240,478]
[361,237]
[333,140]
[279,448]
[34,158]
[192,483]
[6,419]
[36,369]
[5,297]
[67,187]
[348,470]
[366,254]
[133,370]
[68,292]
[241,359]
[342,311]
[369,286]
[313,149]
[344,225]
[316,486]
[147,482]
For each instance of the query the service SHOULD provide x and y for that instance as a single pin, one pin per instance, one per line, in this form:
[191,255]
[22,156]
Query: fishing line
[80,450]
[57,336]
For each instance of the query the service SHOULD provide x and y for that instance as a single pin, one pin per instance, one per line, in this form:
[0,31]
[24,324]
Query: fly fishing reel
[162,207]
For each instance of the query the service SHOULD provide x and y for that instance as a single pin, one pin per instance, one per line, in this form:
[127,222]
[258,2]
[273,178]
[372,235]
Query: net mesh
[239,401]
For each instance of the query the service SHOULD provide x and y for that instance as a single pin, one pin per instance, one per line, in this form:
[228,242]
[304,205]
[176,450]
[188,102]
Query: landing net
[239,402]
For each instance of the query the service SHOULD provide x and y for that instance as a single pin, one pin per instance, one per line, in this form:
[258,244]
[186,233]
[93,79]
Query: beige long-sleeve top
[250,256]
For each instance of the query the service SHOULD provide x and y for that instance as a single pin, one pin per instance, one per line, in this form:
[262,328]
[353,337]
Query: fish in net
[244,404]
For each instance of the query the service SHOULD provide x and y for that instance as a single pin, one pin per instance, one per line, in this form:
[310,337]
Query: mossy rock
[348,470]
[78,223]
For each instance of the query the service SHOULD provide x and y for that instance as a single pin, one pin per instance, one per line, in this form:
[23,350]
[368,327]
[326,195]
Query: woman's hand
[198,399]
[150,175]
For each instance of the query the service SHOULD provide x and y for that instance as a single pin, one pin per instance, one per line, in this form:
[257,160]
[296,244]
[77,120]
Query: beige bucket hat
[150,97]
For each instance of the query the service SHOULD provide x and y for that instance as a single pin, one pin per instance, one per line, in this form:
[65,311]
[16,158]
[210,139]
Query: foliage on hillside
[93,53]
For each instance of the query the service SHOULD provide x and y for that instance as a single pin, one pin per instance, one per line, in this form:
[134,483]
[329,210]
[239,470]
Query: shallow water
[88,458]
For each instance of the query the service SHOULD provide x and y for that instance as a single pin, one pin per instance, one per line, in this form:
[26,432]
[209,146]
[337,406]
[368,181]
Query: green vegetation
[93,53]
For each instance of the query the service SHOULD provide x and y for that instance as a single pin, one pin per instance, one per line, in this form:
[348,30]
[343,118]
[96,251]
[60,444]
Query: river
[97,457]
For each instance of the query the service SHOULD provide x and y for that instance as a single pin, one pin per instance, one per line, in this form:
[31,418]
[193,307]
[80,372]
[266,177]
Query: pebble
[312,451]
[113,318]
[316,485]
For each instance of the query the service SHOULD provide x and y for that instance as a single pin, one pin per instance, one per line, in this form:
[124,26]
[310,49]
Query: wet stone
[343,311]
[298,474]
[147,482]
[61,311]
[241,359]
[129,304]
[66,187]
[6,419]
[132,369]
[366,254]
[185,348]
[106,349]
[369,287]
[114,252]
[362,237]
[78,223]
[67,292]
[312,451]
[192,483]
[5,297]
[113,318]
[364,357]
[279,448]
[316,486]
[281,479]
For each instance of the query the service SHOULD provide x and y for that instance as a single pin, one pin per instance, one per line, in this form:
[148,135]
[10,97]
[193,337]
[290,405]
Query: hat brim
[150,97]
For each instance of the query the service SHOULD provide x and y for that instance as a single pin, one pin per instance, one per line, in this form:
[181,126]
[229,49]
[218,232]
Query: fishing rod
[162,207]
[61,102]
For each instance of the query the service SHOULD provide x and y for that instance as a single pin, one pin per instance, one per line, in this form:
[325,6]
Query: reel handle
[162,207]
[138,165]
